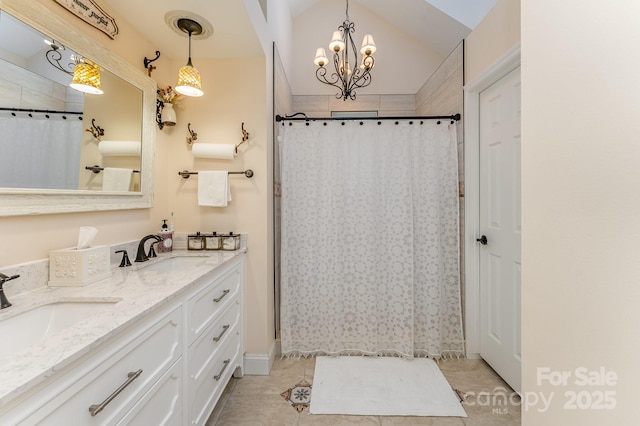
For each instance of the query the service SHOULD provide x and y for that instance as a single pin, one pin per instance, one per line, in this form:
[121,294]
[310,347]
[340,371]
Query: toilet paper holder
[193,136]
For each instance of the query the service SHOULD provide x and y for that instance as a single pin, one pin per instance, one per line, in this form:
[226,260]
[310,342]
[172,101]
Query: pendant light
[86,77]
[189,82]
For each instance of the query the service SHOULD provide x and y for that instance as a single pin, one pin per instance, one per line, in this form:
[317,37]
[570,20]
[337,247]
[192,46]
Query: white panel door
[500,223]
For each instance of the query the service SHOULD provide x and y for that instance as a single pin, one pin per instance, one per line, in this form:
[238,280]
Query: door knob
[482,240]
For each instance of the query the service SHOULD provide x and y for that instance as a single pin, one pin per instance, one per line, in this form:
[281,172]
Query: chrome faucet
[141,256]
[4,303]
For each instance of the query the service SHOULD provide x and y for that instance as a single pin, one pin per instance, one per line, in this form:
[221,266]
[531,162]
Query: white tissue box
[75,268]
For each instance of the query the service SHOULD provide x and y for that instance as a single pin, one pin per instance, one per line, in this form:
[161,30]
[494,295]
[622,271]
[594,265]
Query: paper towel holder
[192,136]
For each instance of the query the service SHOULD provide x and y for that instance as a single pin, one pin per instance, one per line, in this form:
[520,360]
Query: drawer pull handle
[224,367]
[224,330]
[96,408]
[224,293]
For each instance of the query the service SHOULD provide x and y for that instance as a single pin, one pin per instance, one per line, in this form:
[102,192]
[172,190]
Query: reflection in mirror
[43,139]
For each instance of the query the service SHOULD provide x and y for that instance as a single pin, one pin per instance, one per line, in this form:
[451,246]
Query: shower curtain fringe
[444,356]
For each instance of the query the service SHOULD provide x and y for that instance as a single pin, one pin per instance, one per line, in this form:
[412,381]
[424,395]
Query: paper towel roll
[224,151]
[119,148]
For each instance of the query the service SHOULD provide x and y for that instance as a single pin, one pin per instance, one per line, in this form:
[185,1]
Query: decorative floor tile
[299,395]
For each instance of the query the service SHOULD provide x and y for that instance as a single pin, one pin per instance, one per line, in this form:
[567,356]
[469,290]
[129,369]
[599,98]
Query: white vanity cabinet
[168,367]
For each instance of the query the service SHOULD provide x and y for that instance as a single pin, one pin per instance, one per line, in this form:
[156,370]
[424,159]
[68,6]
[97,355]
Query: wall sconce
[86,77]
[189,81]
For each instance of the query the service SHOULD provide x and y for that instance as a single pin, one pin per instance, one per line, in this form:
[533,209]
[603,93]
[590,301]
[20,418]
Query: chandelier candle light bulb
[368,45]
[321,57]
[337,45]
[344,52]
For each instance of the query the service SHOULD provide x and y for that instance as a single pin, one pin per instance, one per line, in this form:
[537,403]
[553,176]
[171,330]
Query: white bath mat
[382,386]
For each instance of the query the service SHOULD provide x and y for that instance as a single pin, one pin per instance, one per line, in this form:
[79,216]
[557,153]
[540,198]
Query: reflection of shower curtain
[39,152]
[370,239]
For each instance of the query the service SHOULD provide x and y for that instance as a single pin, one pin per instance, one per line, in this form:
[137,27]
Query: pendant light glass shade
[86,78]
[189,82]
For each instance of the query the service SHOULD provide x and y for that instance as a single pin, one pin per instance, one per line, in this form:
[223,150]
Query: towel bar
[97,169]
[186,173]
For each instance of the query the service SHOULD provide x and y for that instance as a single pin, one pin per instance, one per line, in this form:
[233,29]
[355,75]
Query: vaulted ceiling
[439,24]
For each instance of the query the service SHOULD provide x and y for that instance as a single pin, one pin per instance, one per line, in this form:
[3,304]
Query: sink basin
[173,264]
[34,326]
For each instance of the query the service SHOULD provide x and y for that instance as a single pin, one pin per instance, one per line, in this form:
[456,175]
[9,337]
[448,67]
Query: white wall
[581,210]
[497,33]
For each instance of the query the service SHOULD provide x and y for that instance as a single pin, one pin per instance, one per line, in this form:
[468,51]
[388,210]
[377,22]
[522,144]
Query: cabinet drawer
[111,388]
[206,304]
[207,347]
[205,392]
[162,405]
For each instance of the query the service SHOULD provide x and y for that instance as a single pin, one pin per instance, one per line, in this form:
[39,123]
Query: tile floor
[256,400]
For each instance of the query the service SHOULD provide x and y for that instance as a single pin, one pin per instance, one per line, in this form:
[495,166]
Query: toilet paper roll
[119,148]
[223,151]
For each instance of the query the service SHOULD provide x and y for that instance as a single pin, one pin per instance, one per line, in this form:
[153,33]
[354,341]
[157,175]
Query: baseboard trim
[260,364]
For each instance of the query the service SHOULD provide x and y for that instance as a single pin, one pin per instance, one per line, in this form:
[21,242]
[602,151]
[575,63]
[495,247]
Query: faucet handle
[4,303]
[152,251]
[125,258]
[4,278]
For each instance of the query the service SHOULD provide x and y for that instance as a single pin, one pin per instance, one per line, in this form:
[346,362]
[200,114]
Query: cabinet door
[162,405]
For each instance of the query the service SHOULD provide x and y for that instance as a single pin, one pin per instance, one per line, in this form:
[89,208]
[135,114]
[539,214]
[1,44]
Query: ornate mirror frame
[15,202]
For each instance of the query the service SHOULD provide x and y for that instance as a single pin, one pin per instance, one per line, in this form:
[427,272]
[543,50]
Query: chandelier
[345,56]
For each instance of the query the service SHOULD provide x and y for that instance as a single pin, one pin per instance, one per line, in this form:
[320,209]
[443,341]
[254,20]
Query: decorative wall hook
[147,63]
[193,136]
[95,130]
[245,137]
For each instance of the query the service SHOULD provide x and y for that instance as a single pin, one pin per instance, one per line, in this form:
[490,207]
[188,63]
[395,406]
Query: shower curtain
[39,152]
[370,255]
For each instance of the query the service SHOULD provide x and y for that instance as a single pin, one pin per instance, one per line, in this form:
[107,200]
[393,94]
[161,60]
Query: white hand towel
[116,179]
[213,189]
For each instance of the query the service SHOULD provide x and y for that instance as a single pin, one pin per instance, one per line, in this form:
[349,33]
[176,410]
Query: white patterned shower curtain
[370,254]
[39,152]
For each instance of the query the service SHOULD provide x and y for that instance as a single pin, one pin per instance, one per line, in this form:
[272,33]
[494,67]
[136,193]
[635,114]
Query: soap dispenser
[166,245]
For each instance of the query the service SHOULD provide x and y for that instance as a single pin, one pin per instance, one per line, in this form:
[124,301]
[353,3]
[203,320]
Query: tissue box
[75,268]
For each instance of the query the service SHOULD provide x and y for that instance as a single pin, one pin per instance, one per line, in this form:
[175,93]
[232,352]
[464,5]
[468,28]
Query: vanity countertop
[141,291]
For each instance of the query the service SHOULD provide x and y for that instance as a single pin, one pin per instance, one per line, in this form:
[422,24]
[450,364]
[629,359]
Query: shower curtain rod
[44,111]
[304,117]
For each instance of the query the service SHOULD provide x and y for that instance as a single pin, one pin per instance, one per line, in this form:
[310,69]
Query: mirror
[52,137]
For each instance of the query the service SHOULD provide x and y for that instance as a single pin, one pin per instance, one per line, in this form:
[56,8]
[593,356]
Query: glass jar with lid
[195,241]
[213,241]
[230,241]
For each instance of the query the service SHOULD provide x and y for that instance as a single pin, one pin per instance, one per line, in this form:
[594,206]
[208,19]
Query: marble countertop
[137,291]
